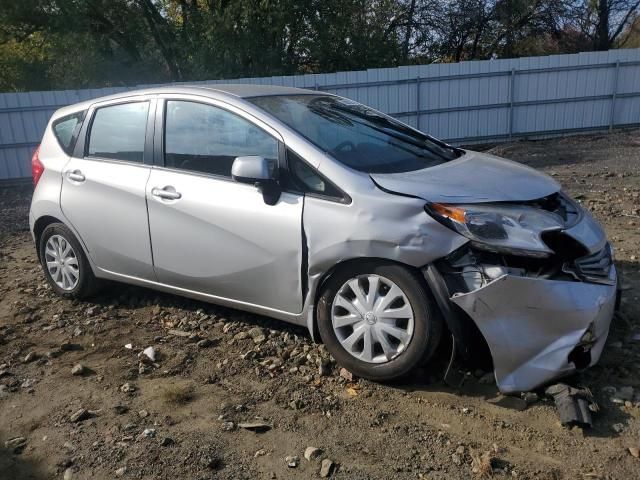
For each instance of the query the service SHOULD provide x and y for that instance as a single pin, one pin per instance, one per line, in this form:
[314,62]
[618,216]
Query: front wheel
[378,319]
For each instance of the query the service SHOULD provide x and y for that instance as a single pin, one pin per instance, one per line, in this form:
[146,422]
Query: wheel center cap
[370,318]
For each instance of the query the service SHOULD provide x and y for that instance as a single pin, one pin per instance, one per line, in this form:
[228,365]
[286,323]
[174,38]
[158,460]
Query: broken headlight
[511,229]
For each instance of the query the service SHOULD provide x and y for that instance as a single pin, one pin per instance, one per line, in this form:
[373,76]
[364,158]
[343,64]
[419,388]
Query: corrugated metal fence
[467,102]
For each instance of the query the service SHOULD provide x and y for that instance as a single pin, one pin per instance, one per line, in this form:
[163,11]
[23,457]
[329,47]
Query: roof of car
[239,90]
[248,90]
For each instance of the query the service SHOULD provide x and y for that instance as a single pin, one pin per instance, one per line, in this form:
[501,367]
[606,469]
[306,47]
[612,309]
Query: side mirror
[258,171]
[251,169]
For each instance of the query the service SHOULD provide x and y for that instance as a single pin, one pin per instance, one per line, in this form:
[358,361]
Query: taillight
[37,168]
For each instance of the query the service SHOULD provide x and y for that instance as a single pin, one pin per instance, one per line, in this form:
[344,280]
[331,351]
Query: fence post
[512,86]
[418,102]
[612,118]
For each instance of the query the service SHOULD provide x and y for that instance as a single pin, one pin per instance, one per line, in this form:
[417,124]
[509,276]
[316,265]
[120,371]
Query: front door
[213,235]
[103,189]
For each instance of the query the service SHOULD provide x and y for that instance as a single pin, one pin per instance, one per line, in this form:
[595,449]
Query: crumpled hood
[473,178]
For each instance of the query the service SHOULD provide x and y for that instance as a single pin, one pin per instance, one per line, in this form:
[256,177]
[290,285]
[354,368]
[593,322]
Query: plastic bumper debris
[533,326]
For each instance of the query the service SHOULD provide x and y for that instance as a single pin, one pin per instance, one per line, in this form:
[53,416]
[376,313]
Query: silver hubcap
[372,318]
[62,262]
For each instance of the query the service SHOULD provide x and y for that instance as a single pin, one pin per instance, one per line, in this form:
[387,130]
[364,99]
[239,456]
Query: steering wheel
[342,146]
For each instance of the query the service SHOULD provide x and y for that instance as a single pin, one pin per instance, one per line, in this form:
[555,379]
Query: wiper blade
[396,130]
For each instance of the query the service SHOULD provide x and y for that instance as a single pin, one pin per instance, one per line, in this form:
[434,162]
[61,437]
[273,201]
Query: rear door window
[118,132]
[66,130]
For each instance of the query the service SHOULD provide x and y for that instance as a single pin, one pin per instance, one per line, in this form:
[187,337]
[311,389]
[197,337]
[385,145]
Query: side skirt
[294,318]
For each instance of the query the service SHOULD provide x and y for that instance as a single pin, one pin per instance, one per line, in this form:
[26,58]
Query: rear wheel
[378,319]
[64,263]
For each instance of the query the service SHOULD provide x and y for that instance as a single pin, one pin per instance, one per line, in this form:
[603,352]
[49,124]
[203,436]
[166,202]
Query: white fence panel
[467,102]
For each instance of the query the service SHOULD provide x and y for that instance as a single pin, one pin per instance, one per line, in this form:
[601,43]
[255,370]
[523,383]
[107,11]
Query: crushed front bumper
[532,325]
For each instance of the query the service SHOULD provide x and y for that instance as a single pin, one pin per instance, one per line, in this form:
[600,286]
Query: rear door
[209,233]
[103,186]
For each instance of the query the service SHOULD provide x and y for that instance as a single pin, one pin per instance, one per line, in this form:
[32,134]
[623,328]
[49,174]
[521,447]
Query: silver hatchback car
[320,211]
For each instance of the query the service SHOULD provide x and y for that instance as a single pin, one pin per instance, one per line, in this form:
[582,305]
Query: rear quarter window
[66,130]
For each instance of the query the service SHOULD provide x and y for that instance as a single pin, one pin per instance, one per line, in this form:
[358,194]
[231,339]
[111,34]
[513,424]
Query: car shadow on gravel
[16,466]
[136,298]
[610,421]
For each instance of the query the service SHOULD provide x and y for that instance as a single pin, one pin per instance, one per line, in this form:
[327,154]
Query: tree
[48,44]
[605,23]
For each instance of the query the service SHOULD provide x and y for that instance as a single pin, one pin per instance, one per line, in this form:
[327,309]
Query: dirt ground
[216,368]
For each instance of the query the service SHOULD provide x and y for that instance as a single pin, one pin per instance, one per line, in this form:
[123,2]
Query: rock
[121,471]
[150,353]
[194,338]
[625,393]
[143,414]
[323,370]
[70,347]
[456,459]
[346,374]
[204,343]
[78,369]
[80,415]
[635,451]
[296,404]
[210,461]
[68,474]
[259,335]
[241,336]
[255,426]
[30,357]
[149,432]
[326,468]
[292,461]
[260,453]
[312,453]
[167,441]
[505,401]
[28,383]
[250,355]
[179,333]
[128,427]
[120,409]
[530,397]
[618,427]
[16,444]
[228,426]
[487,379]
[127,388]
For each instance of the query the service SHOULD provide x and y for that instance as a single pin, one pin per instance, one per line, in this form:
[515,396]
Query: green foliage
[53,44]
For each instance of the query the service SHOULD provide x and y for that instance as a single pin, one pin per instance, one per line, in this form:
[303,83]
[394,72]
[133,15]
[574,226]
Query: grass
[177,394]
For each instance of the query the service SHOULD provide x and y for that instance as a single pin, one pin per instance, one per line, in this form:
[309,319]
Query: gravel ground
[235,395]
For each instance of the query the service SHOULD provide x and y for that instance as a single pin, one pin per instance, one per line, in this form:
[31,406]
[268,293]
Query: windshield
[355,135]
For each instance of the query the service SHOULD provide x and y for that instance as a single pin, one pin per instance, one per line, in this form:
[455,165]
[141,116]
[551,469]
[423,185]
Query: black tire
[428,322]
[87,283]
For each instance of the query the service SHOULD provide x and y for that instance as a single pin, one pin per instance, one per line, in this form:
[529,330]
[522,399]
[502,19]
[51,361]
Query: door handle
[76,176]
[168,193]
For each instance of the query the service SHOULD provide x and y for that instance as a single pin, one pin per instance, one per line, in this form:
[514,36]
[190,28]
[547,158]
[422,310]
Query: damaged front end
[537,279]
